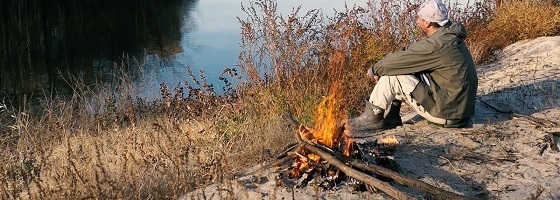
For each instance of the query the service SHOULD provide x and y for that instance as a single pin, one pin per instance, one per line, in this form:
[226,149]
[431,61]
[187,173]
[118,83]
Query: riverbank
[98,144]
[503,156]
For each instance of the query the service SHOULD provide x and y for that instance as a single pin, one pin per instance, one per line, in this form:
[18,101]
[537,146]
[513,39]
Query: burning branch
[337,161]
[352,169]
[383,186]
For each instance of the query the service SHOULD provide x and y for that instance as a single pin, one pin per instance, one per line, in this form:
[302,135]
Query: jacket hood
[457,29]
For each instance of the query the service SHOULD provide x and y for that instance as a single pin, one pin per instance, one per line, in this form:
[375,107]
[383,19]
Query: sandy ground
[503,156]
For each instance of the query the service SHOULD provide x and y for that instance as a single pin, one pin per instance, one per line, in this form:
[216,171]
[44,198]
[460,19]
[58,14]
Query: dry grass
[100,142]
[513,21]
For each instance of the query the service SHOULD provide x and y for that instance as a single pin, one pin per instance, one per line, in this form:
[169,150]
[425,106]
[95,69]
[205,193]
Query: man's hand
[370,72]
[372,75]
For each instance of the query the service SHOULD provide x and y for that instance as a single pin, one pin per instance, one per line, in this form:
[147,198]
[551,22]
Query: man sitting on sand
[435,76]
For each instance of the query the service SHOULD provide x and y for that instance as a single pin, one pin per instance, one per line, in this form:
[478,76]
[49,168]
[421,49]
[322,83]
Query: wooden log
[349,171]
[363,177]
[410,182]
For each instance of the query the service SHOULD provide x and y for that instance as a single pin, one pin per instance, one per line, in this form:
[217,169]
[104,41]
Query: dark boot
[393,119]
[369,121]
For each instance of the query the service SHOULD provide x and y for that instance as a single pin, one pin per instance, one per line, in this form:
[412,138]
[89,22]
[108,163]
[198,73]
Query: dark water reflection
[40,38]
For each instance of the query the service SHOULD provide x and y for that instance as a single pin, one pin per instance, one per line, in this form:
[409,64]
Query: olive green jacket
[448,66]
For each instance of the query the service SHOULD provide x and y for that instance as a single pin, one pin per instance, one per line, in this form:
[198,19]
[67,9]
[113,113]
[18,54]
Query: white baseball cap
[434,11]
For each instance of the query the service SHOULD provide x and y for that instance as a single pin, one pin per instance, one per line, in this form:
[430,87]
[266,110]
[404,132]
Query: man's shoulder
[431,44]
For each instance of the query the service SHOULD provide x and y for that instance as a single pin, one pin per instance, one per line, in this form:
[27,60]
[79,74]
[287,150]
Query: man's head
[432,15]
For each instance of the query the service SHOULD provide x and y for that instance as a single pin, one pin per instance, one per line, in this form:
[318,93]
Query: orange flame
[327,131]
[327,117]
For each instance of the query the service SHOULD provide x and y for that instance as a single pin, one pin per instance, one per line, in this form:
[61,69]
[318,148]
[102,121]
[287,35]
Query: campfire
[325,146]
[306,161]
[327,132]
[325,156]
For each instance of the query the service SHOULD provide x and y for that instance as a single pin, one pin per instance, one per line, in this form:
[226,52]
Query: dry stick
[287,150]
[349,171]
[278,162]
[410,182]
[283,157]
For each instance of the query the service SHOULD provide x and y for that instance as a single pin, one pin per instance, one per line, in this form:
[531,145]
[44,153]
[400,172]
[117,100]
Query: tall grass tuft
[510,22]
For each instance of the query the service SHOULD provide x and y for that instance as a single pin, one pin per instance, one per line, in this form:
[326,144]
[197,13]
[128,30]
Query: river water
[43,43]
[211,39]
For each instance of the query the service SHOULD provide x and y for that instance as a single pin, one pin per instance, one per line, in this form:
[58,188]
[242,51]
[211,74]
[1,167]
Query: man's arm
[420,56]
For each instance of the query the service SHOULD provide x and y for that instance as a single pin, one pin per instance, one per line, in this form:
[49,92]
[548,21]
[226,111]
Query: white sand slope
[526,75]
[500,158]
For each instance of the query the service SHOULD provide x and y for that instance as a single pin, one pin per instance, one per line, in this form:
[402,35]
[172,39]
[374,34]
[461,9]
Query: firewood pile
[311,162]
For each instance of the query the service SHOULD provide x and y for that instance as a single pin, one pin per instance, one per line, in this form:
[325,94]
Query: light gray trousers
[389,88]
